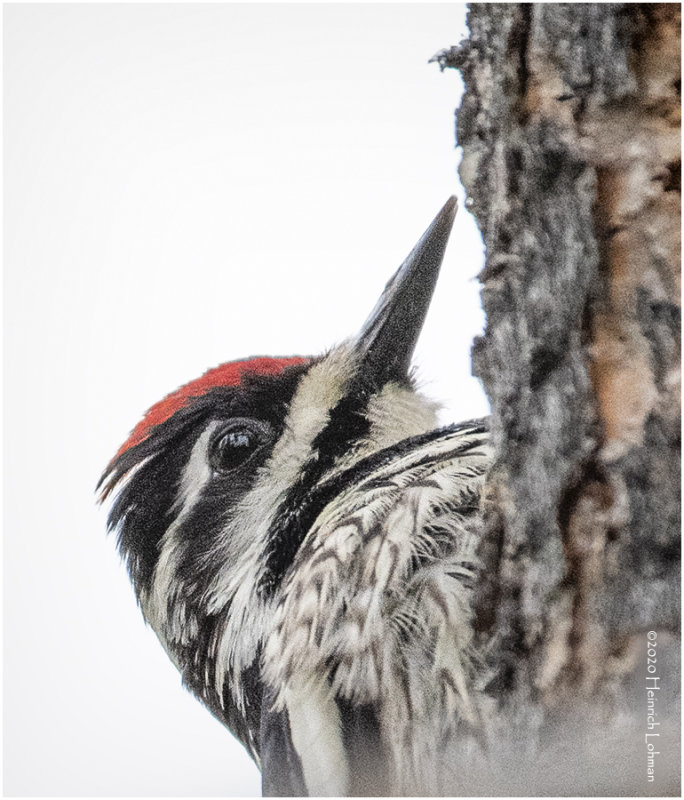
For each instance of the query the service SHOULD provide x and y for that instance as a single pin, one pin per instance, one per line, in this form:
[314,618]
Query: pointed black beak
[388,338]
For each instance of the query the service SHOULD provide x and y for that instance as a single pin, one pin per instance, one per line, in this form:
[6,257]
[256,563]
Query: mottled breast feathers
[375,615]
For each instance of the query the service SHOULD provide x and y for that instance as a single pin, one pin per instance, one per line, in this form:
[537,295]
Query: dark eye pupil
[236,445]
[232,449]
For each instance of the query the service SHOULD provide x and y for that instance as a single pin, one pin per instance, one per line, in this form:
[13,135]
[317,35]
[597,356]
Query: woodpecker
[302,536]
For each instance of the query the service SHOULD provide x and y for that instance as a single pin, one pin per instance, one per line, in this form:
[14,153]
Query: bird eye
[235,443]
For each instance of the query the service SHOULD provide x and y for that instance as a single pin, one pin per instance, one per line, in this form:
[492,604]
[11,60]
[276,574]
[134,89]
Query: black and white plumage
[302,538]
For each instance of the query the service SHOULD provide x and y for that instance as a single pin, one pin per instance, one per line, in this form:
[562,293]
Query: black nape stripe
[307,498]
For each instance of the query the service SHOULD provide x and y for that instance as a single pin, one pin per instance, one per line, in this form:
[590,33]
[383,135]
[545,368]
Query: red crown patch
[229,374]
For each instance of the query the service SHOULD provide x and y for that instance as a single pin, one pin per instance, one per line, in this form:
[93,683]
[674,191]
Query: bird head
[215,489]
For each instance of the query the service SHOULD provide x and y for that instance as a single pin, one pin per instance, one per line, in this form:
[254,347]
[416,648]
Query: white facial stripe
[120,484]
[319,391]
[194,478]
[197,472]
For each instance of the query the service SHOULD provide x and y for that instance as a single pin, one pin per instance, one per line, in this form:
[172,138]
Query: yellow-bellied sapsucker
[301,537]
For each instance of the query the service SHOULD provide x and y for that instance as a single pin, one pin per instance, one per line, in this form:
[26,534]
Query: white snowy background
[186,185]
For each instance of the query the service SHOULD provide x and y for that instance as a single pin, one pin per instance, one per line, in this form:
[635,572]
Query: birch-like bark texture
[570,129]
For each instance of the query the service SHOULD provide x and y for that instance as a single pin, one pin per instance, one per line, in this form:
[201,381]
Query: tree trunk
[570,129]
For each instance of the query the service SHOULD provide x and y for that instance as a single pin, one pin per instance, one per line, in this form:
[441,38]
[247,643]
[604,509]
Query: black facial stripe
[347,424]
[305,502]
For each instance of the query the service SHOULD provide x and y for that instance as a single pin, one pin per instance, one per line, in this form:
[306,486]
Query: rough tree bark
[570,129]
